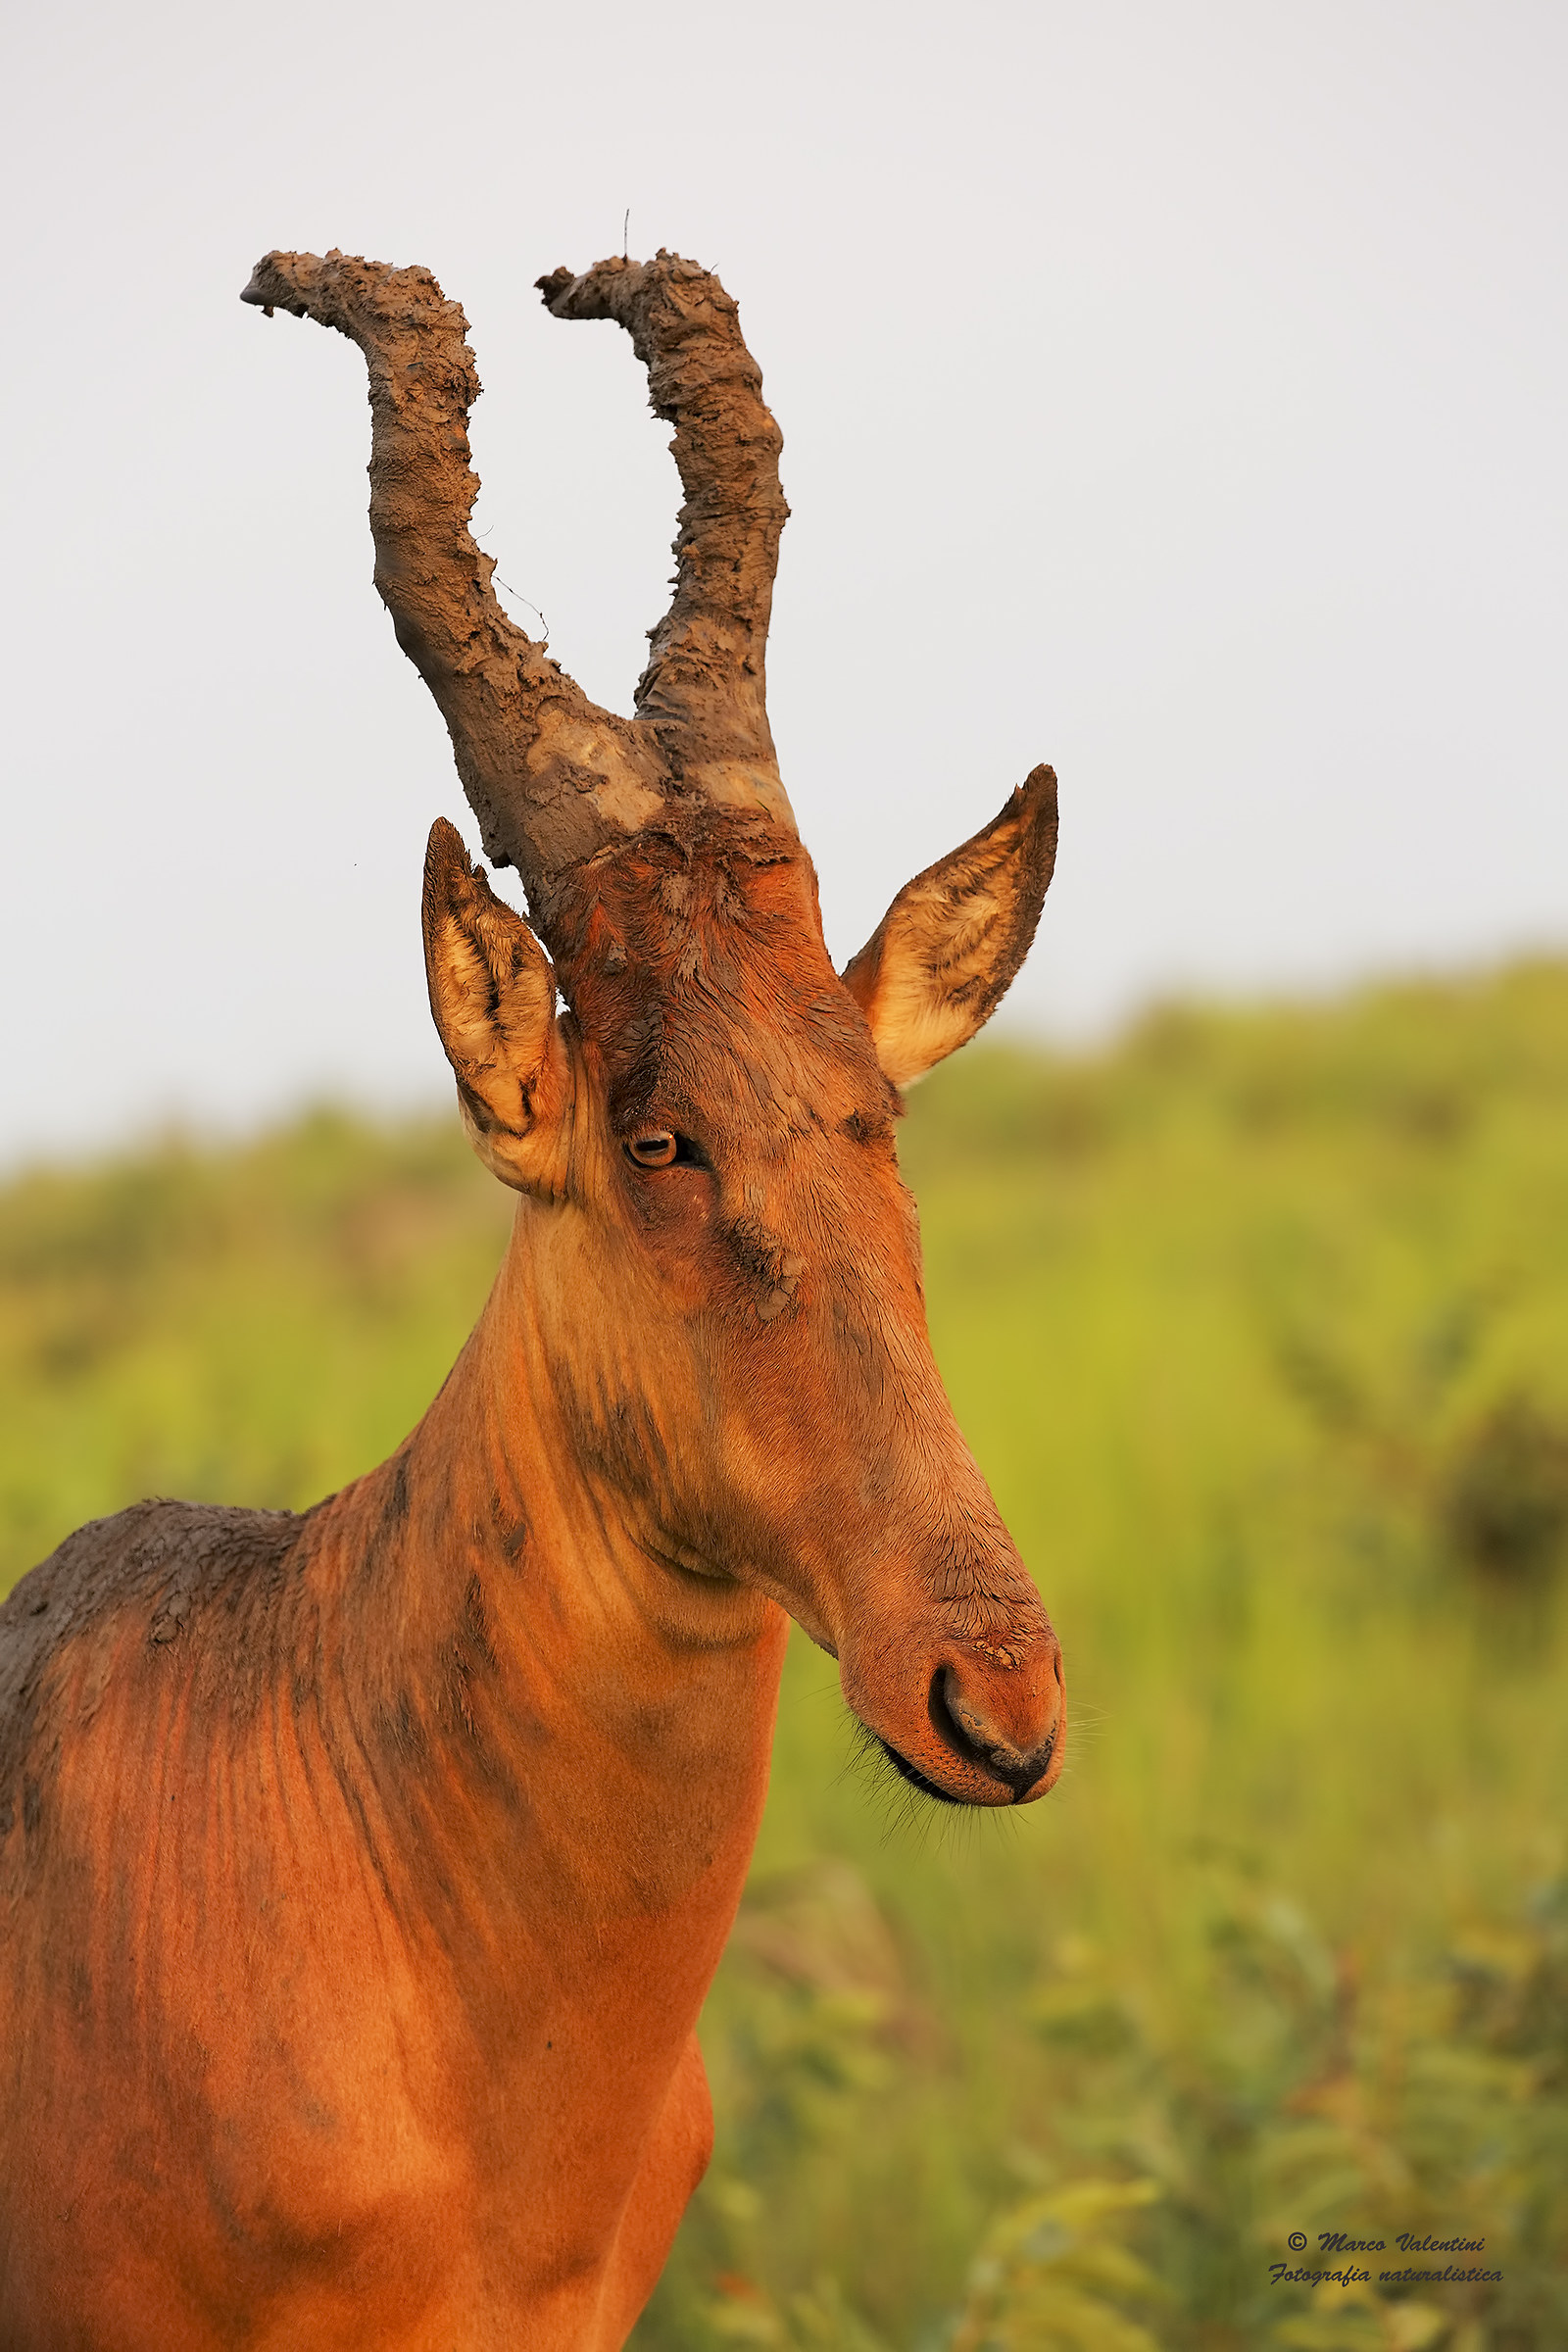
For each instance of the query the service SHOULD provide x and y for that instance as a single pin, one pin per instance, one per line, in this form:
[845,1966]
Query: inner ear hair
[943,957]
[493,1000]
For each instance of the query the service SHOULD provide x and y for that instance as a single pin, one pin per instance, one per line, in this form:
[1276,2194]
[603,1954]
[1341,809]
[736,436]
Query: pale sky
[1171,389]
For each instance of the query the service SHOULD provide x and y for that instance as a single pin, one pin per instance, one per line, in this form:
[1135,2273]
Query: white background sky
[1172,389]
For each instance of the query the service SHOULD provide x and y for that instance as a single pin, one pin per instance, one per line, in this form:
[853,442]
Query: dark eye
[658,1148]
[654,1150]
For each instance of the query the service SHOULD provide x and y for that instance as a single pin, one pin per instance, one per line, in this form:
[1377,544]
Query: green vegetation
[1260,1327]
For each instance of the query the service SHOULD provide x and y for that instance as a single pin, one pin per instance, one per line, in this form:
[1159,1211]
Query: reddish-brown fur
[362,1872]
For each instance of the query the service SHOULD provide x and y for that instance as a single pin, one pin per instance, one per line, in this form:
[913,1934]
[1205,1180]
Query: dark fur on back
[160,1561]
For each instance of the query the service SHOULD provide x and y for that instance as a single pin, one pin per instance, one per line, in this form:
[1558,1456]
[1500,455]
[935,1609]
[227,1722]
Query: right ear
[493,998]
[939,963]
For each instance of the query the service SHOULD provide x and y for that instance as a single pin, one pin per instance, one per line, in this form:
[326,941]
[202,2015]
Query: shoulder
[146,1570]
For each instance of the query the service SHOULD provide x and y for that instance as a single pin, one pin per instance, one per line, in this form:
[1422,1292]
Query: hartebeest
[362,1872]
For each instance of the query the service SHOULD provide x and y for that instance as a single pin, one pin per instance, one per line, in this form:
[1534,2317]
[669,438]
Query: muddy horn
[553,778]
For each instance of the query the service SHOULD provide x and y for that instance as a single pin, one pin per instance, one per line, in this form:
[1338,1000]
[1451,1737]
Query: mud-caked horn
[704,692]
[552,778]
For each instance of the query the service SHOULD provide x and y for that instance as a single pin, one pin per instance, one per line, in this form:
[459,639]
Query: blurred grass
[1260,1327]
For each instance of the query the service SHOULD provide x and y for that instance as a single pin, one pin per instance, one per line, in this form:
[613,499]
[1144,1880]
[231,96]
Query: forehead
[698,973]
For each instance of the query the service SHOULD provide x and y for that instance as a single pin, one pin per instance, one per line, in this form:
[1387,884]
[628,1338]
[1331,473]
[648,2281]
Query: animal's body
[362,1872]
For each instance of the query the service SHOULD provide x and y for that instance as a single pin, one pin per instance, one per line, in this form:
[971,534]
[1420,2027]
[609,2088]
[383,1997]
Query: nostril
[947,1724]
[967,1733]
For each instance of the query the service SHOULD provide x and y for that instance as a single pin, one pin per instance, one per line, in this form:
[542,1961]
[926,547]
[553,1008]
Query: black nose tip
[1021,1777]
[964,1727]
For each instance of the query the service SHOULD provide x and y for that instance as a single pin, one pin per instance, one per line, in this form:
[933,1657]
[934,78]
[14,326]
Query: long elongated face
[724,1266]
[728,1263]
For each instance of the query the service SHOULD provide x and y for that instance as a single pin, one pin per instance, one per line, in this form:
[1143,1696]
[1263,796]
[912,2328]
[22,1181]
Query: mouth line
[944,1796]
[917,1778]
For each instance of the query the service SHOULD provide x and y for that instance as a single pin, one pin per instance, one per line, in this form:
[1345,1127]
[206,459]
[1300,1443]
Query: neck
[569,1740]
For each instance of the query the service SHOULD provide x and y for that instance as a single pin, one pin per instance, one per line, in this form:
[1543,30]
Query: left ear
[943,957]
[493,996]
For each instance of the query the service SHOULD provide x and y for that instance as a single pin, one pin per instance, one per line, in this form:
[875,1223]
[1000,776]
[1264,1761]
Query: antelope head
[721,1263]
